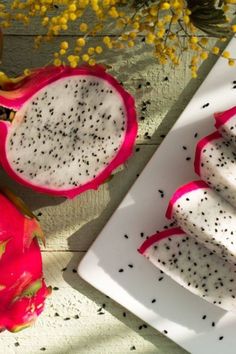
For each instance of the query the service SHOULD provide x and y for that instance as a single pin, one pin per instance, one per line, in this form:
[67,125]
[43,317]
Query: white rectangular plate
[106,264]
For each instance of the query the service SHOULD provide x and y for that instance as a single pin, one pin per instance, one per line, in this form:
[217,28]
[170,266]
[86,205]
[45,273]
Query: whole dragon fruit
[202,213]
[71,129]
[22,287]
[225,123]
[215,163]
[193,266]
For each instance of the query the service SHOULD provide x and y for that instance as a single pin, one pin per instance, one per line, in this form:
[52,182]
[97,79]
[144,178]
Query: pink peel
[200,146]
[158,237]
[39,79]
[222,117]
[189,187]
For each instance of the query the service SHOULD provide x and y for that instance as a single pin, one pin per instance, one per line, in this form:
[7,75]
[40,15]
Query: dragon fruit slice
[225,123]
[71,129]
[201,212]
[215,163]
[22,288]
[193,266]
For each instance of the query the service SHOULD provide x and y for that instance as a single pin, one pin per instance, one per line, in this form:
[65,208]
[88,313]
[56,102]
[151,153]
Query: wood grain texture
[73,324]
[71,226]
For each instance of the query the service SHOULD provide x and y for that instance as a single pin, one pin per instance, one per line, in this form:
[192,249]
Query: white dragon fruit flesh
[204,214]
[225,123]
[193,266]
[71,129]
[215,163]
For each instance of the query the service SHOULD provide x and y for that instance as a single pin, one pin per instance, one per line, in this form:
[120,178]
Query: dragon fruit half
[201,212]
[193,266]
[225,123]
[215,163]
[71,129]
[22,287]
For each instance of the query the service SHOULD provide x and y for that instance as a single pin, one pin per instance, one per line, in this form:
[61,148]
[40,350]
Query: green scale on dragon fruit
[71,129]
[215,163]
[225,123]
[203,213]
[22,287]
[193,266]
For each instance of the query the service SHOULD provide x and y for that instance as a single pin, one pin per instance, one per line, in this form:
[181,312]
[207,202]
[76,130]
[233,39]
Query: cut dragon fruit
[225,123]
[215,163]
[71,129]
[201,212]
[22,288]
[193,266]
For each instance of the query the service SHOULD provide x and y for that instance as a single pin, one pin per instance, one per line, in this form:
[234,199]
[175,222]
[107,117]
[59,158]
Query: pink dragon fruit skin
[66,181]
[225,123]
[22,287]
[215,163]
[193,266]
[201,212]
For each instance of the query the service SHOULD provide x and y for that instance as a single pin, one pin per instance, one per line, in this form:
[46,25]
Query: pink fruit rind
[28,86]
[158,237]
[189,187]
[200,146]
[222,117]
[122,155]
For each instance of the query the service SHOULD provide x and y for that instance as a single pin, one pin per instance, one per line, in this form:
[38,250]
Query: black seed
[166,78]
[56,314]
[160,279]
[133,347]
[195,135]
[43,349]
[204,317]
[16,344]
[55,288]
[121,270]
[213,324]
[64,269]
[126,236]
[206,105]
[124,314]
[153,301]
[74,270]
[188,158]
[165,331]
[130,265]
[67,319]
[221,337]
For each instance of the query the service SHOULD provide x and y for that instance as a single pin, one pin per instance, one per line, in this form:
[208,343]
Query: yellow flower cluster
[163,24]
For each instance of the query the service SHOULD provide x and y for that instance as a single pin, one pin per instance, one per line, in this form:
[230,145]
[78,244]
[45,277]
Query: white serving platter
[176,312]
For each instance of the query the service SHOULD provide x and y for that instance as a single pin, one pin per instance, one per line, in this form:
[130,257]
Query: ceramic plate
[190,321]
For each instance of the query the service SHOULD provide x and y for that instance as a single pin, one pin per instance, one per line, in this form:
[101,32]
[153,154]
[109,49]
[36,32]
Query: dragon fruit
[22,288]
[215,163]
[201,212]
[225,123]
[71,129]
[193,266]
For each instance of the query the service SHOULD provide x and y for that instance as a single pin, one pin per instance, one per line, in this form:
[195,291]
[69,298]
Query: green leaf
[32,289]
[3,246]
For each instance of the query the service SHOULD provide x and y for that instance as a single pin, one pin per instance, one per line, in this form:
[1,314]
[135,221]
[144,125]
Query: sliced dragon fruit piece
[22,287]
[201,212]
[71,129]
[225,123]
[215,163]
[193,266]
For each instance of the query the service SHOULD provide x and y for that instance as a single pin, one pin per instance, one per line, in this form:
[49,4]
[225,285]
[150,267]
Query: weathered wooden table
[72,322]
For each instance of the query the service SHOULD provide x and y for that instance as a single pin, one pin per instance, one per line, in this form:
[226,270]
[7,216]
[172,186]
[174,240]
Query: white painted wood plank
[91,333]
[74,224]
